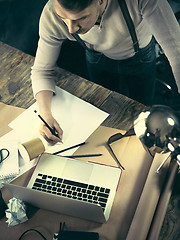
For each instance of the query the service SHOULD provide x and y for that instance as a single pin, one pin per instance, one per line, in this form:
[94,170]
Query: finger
[49,141]
[48,136]
[44,136]
[58,130]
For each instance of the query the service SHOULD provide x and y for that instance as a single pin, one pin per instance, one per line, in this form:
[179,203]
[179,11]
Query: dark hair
[77,5]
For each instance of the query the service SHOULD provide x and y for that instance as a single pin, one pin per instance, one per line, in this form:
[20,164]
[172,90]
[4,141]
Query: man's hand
[46,133]
[44,99]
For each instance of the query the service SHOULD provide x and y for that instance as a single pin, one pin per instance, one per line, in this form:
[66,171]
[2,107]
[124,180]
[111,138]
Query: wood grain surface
[16,90]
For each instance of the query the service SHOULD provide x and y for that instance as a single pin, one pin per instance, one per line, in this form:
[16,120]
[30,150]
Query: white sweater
[111,37]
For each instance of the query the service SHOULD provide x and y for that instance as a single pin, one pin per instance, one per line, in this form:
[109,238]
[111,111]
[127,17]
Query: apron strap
[130,24]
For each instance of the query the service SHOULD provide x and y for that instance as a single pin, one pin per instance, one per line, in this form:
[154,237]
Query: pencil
[53,131]
[66,149]
[86,155]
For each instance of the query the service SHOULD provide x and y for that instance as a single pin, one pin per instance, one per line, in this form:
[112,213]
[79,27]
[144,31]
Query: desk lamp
[159,129]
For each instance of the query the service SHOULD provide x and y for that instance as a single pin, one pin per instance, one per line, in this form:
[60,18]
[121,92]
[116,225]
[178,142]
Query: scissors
[4,153]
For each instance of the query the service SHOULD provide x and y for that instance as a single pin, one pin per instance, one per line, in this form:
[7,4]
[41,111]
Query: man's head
[75,5]
[79,15]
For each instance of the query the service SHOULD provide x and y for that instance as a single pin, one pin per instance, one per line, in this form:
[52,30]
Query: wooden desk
[15,90]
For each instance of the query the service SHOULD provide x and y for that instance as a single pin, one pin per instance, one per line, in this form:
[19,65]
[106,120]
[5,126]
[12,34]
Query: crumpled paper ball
[16,212]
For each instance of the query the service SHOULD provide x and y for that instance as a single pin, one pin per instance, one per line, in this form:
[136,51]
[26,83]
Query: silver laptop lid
[77,176]
[59,204]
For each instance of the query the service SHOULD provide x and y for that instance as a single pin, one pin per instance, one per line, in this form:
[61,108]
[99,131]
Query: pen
[53,130]
[78,145]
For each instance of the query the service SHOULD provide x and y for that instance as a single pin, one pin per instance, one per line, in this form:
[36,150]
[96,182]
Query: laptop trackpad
[77,170]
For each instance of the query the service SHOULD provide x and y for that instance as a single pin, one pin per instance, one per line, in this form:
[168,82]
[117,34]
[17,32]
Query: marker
[52,130]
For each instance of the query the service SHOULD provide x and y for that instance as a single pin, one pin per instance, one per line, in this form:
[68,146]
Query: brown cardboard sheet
[133,185]
[137,194]
[163,202]
[8,114]
[148,202]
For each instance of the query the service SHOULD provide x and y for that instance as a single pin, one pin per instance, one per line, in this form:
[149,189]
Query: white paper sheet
[16,212]
[77,118]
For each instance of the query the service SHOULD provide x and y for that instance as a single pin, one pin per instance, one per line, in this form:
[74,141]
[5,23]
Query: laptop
[71,187]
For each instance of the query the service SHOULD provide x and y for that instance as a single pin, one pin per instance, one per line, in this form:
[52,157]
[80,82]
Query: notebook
[72,187]
[10,166]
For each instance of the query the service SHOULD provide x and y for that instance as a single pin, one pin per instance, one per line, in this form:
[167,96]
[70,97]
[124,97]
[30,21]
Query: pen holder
[31,149]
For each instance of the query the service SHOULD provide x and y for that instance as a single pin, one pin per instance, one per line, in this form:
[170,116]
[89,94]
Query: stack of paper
[10,166]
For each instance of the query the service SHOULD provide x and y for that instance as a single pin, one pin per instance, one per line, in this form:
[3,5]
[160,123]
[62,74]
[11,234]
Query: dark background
[19,24]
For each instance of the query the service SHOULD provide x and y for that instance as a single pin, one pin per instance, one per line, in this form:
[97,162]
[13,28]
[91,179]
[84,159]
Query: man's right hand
[44,102]
[46,133]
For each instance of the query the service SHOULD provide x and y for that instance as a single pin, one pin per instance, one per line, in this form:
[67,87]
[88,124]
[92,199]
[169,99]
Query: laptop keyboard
[71,189]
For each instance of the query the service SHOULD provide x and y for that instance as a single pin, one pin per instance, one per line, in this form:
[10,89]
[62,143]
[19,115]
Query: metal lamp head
[159,129]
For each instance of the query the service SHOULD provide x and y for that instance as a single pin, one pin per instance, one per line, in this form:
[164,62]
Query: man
[111,58]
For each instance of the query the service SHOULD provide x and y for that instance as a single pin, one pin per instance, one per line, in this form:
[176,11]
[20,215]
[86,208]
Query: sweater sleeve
[166,30]
[43,70]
